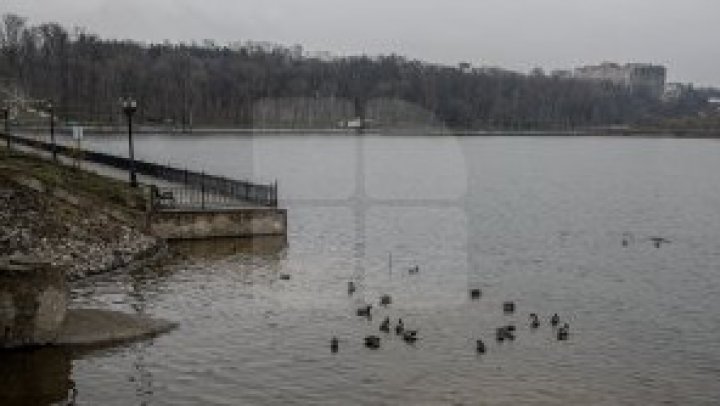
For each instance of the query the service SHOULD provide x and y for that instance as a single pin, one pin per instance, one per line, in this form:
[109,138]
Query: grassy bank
[91,185]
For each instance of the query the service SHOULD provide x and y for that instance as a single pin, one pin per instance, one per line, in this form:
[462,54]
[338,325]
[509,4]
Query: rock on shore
[84,242]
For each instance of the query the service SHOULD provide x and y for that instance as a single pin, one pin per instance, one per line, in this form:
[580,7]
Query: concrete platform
[218,223]
[94,327]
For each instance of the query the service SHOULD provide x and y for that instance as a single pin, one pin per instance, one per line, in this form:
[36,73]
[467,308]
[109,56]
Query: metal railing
[232,190]
[218,187]
[190,198]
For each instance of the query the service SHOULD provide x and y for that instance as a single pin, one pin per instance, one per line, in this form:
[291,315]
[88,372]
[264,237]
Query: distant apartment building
[324,56]
[714,103]
[675,91]
[465,67]
[639,77]
[561,74]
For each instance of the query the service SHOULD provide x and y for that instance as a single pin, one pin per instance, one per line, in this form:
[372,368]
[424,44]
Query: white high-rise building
[640,77]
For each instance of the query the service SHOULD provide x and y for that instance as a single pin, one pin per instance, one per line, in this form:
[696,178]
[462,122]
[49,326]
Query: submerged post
[390,263]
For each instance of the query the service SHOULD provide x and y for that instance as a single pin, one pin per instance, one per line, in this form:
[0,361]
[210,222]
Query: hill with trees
[247,85]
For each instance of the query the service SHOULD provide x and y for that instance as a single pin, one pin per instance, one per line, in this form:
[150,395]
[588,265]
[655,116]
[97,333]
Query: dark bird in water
[410,336]
[334,344]
[385,300]
[475,293]
[509,307]
[400,327]
[534,320]
[563,332]
[555,320]
[627,237]
[413,270]
[480,346]
[505,333]
[500,334]
[364,311]
[372,342]
[658,241]
[385,325]
[351,287]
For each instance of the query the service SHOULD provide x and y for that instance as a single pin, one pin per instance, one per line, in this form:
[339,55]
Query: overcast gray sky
[516,34]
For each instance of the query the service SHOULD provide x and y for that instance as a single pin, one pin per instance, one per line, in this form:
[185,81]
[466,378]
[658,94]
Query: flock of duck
[504,333]
[410,336]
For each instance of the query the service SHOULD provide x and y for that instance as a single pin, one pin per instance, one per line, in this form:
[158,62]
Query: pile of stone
[82,242]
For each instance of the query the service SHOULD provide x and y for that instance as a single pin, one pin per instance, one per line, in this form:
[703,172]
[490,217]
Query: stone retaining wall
[242,222]
[33,302]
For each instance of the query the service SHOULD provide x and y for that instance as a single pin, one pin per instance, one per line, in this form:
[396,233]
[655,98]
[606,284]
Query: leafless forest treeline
[207,84]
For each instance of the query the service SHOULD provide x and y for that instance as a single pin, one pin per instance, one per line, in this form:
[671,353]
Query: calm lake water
[540,221]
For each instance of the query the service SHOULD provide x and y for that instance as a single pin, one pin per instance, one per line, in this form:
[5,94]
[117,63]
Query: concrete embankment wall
[198,224]
[34,311]
[33,302]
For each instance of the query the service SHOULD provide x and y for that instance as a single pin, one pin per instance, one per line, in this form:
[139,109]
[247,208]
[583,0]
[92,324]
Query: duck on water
[385,325]
[372,342]
[400,327]
[410,336]
[364,311]
[534,320]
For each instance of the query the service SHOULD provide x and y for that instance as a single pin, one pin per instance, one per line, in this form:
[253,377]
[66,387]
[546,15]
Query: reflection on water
[35,377]
[223,247]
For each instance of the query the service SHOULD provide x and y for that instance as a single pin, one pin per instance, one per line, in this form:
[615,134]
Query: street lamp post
[6,117]
[129,107]
[51,110]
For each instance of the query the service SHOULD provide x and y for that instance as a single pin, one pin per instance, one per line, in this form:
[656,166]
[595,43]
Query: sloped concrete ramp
[94,327]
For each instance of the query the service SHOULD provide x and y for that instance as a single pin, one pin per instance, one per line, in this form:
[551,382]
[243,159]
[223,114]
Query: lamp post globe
[129,106]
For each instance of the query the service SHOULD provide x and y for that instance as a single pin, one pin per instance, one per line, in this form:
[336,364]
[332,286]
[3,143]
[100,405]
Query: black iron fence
[165,198]
[217,188]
